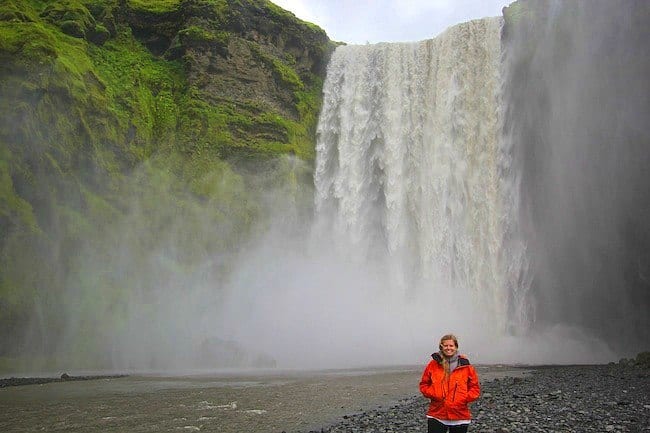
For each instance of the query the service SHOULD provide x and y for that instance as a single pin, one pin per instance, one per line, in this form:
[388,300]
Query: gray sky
[361,21]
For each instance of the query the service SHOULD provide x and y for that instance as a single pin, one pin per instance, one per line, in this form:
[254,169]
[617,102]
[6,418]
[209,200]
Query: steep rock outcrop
[576,104]
[245,51]
[144,115]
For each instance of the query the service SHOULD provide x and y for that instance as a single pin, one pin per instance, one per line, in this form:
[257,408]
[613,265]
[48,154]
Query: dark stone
[98,35]
[19,381]
[643,360]
[73,28]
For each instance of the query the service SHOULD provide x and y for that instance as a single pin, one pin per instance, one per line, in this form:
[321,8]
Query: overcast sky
[362,21]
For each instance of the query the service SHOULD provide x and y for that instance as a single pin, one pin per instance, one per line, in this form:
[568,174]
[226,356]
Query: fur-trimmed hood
[462,359]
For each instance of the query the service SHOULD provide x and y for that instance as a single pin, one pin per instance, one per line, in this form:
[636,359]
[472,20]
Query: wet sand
[225,402]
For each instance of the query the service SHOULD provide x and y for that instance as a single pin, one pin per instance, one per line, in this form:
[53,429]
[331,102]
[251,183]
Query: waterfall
[491,182]
[410,165]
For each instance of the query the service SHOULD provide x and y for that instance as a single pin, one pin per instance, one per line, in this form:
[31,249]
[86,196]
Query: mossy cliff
[151,115]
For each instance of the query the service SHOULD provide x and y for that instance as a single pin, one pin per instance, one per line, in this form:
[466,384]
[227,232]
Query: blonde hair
[449,337]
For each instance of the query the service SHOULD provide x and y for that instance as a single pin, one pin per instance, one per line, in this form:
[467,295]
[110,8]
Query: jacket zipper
[454,396]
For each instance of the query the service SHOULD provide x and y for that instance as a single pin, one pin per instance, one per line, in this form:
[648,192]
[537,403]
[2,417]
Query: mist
[156,291]
[316,303]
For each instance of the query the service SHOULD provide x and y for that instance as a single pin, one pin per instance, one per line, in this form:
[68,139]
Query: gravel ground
[601,398]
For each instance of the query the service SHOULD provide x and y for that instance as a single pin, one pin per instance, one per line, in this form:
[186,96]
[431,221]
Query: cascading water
[416,231]
[409,163]
[510,171]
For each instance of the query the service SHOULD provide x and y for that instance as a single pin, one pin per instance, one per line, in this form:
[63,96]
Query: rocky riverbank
[598,398]
[18,381]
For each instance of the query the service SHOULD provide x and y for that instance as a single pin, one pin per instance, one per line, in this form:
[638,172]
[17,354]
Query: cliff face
[162,109]
[252,53]
[576,104]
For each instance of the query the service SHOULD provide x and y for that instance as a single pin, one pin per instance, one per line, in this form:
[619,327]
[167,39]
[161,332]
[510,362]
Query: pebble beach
[561,399]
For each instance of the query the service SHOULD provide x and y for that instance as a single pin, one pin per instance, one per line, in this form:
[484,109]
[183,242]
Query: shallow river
[240,402]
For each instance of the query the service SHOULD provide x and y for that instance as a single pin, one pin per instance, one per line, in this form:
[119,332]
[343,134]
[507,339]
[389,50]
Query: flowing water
[227,402]
[506,169]
[415,230]
[410,163]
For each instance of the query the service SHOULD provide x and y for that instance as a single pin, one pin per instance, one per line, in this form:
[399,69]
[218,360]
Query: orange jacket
[449,398]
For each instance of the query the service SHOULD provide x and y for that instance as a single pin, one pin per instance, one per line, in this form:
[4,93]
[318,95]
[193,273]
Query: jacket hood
[462,359]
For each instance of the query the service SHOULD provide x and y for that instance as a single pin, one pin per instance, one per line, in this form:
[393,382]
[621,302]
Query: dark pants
[436,426]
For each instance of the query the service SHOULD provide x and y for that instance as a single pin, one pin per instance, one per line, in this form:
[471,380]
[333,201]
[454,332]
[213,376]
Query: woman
[450,382]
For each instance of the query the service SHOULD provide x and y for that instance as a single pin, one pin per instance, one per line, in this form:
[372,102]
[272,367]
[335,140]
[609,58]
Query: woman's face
[448,348]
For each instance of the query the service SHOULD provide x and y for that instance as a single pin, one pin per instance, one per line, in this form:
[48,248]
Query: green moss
[155,6]
[308,104]
[52,72]
[283,73]
[284,15]
[31,40]
[106,147]
[245,131]
[287,74]
[71,16]
[221,9]
[195,35]
[100,8]
[17,11]
[214,12]
[99,34]
[143,91]
[13,208]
